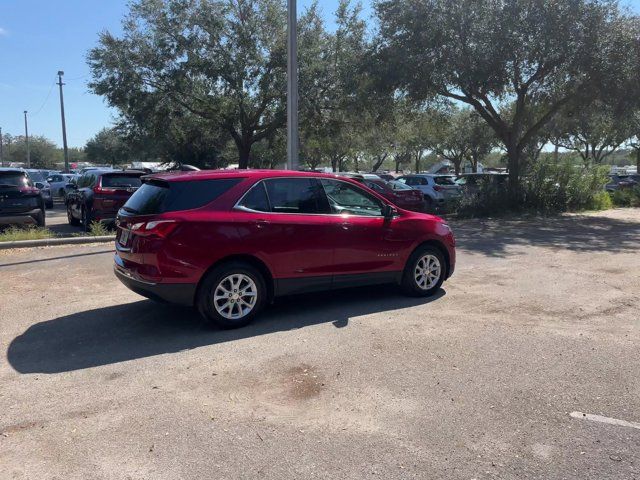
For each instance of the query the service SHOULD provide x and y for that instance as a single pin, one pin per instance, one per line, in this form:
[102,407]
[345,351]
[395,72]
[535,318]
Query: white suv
[437,189]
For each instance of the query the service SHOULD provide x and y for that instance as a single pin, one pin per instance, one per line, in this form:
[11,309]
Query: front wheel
[86,219]
[424,272]
[70,218]
[231,295]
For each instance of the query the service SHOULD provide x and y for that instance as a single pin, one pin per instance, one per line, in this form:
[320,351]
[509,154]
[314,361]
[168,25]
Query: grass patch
[14,234]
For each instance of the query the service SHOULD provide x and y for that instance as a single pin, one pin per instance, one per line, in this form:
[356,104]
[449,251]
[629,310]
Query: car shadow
[142,329]
[580,233]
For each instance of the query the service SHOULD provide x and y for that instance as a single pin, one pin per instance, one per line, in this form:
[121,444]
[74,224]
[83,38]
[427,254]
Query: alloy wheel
[235,296]
[427,272]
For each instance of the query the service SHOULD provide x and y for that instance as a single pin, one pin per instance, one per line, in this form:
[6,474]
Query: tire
[86,219]
[41,219]
[424,285]
[428,203]
[222,279]
[61,193]
[49,204]
[72,221]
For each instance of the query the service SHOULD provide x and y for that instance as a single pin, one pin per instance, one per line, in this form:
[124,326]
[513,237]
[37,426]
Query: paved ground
[57,219]
[540,320]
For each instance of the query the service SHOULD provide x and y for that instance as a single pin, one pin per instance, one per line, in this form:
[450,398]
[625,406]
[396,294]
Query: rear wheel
[231,295]
[428,203]
[49,204]
[40,218]
[86,219]
[424,272]
[70,218]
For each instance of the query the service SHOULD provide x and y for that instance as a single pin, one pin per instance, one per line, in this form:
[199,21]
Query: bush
[548,188]
[627,197]
[97,229]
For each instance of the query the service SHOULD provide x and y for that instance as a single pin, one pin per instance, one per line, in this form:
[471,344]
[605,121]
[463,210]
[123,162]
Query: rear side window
[256,199]
[158,197]
[443,181]
[14,179]
[120,181]
[296,195]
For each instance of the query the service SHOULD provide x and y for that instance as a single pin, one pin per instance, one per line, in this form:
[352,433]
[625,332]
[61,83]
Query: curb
[48,242]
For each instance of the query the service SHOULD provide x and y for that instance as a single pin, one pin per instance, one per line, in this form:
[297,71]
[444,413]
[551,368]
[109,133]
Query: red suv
[228,242]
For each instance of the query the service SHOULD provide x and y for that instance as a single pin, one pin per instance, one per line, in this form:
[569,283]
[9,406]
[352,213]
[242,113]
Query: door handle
[261,223]
[345,225]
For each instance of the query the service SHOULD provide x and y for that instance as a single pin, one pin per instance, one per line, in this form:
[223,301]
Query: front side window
[296,195]
[348,199]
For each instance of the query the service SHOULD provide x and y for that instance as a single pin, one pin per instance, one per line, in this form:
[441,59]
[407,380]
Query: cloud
[3,32]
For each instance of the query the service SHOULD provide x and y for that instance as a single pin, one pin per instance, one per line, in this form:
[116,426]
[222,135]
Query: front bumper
[176,293]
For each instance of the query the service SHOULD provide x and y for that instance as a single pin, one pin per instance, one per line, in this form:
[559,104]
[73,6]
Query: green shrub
[13,234]
[601,201]
[97,229]
[547,188]
[627,197]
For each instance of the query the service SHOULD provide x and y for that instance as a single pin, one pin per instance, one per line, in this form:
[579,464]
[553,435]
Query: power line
[45,101]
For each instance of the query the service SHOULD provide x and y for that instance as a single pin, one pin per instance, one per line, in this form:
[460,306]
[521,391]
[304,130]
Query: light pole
[292,86]
[1,142]
[64,125]
[26,139]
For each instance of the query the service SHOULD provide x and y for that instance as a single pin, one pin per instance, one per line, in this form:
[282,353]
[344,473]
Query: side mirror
[388,211]
[39,185]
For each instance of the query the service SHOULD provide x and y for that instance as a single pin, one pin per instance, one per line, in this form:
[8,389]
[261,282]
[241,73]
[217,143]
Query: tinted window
[158,196]
[345,198]
[13,179]
[443,181]
[374,186]
[256,199]
[37,176]
[399,185]
[120,181]
[296,195]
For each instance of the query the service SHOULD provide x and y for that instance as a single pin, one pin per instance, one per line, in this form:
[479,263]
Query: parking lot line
[601,419]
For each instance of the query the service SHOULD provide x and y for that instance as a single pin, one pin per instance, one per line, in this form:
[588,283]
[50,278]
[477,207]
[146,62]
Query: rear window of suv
[157,196]
[122,181]
[14,179]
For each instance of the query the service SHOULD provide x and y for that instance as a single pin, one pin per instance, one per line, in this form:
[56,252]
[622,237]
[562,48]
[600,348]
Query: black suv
[20,201]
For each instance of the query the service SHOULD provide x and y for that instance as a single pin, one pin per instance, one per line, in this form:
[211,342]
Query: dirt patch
[303,382]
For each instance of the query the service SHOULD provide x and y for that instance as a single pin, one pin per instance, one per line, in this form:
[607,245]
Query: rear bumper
[177,293]
[24,218]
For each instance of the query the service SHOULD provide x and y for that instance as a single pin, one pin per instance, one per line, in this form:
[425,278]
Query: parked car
[39,180]
[57,182]
[437,189]
[618,182]
[20,201]
[386,176]
[228,242]
[470,183]
[398,193]
[98,194]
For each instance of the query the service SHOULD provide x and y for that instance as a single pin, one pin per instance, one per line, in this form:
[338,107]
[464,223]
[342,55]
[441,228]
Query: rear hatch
[17,194]
[447,186]
[113,190]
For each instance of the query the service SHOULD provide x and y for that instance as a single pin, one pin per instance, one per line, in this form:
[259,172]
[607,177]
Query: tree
[42,151]
[538,55]
[107,147]
[594,133]
[224,62]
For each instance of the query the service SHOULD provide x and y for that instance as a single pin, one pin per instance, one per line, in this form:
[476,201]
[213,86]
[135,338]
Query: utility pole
[64,125]
[26,139]
[1,142]
[292,86]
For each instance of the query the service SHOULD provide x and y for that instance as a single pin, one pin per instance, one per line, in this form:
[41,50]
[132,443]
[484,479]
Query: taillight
[100,189]
[155,228]
[29,190]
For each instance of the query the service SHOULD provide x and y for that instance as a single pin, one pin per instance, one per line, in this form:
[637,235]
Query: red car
[228,242]
[398,193]
[98,195]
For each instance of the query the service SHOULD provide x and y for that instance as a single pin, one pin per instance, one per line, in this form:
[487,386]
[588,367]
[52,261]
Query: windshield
[396,185]
[37,176]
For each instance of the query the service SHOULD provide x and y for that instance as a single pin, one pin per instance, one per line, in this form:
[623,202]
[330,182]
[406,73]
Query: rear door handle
[261,223]
[345,225]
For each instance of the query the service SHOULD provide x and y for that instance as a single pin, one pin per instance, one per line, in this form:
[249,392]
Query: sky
[40,37]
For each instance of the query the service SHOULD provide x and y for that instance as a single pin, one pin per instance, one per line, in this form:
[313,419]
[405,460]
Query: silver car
[437,189]
[39,179]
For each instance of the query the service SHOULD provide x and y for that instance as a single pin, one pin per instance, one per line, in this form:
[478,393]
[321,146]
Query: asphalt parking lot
[541,319]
